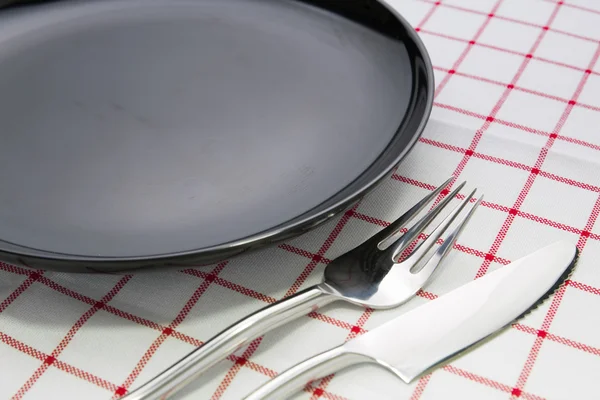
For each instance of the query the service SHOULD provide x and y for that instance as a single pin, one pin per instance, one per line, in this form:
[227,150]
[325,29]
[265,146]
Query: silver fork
[369,275]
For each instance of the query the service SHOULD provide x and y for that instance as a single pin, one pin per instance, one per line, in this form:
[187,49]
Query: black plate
[155,132]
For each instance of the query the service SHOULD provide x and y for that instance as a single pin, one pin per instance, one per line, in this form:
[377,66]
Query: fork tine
[401,244]
[436,259]
[415,257]
[391,233]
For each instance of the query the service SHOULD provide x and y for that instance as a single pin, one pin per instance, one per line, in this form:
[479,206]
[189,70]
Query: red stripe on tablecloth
[183,313]
[474,154]
[520,22]
[303,253]
[233,371]
[556,300]
[255,367]
[584,287]
[356,330]
[517,88]
[463,55]
[405,179]
[323,393]
[420,388]
[16,270]
[332,321]
[533,353]
[558,339]
[19,290]
[576,6]
[427,295]
[428,15]
[67,339]
[488,382]
[509,163]
[233,286]
[328,242]
[574,344]
[372,220]
[30,351]
[525,215]
[506,51]
[22,347]
[518,126]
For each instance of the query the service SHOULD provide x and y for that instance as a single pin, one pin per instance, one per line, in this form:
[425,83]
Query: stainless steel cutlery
[430,334]
[369,275]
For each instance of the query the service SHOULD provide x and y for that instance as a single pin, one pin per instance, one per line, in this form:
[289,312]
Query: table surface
[516,114]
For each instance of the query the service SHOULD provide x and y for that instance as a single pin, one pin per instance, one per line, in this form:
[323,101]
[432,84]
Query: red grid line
[372,220]
[255,367]
[466,51]
[18,291]
[506,51]
[355,331]
[233,371]
[488,382]
[68,337]
[558,339]
[15,269]
[517,88]
[233,286]
[576,6]
[301,252]
[518,126]
[183,313]
[30,351]
[310,389]
[428,15]
[420,388]
[328,242]
[584,287]
[520,22]
[512,164]
[574,344]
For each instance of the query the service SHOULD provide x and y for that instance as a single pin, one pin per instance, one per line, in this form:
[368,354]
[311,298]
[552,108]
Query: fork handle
[294,379]
[230,340]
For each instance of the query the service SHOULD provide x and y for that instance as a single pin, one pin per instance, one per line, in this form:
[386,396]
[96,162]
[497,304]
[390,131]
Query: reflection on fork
[369,275]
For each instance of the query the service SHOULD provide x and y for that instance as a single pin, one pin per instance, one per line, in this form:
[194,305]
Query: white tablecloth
[516,114]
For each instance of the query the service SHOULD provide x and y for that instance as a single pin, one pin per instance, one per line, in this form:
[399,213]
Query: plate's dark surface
[139,132]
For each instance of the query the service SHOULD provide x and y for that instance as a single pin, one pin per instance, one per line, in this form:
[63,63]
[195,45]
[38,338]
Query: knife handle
[295,378]
[229,340]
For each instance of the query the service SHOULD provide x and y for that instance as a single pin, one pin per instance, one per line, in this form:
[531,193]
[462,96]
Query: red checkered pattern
[517,114]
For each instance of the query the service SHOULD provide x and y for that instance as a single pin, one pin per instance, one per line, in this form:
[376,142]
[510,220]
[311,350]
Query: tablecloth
[516,114]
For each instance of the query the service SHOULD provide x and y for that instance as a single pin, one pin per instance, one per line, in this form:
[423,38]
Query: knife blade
[431,334]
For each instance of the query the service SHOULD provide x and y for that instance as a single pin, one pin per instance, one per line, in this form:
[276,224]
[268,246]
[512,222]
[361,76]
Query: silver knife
[429,335]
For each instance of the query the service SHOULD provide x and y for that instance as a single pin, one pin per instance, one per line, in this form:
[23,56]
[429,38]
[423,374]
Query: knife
[430,335]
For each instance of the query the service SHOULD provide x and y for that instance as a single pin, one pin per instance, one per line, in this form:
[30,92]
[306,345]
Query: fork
[370,275]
